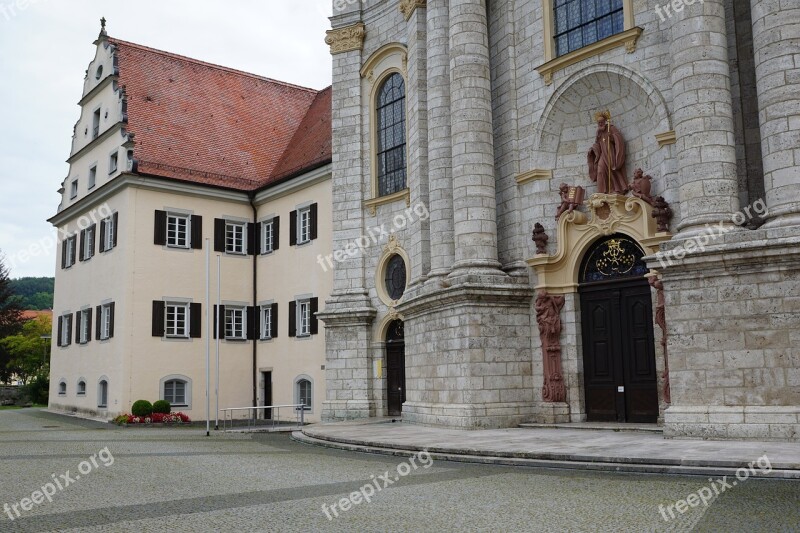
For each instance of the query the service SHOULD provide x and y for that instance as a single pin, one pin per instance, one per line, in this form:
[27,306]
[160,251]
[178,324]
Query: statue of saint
[606,157]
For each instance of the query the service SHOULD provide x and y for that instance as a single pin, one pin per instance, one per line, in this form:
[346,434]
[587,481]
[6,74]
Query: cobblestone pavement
[177,479]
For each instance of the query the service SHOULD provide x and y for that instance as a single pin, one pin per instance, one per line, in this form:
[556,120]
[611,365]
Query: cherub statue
[641,186]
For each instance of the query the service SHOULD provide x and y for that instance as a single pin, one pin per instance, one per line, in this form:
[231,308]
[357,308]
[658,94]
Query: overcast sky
[46,46]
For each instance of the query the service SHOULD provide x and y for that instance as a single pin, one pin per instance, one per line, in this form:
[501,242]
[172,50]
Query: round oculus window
[99,73]
[395,277]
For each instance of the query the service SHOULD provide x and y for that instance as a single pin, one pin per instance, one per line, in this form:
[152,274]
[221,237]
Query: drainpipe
[255,301]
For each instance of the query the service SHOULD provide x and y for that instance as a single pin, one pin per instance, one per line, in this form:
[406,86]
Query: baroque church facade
[588,210]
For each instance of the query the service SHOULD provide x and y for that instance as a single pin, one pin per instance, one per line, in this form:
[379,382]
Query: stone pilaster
[439,145]
[703,117]
[776,47]
[417,141]
[474,199]
[348,313]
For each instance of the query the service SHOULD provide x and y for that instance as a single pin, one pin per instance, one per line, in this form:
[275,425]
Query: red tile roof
[203,123]
[31,315]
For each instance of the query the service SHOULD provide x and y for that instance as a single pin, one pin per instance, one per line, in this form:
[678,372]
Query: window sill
[627,38]
[265,339]
[373,204]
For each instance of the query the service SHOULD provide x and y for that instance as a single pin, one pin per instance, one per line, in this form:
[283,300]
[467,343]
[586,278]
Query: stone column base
[467,416]
[339,410]
[733,422]
[552,413]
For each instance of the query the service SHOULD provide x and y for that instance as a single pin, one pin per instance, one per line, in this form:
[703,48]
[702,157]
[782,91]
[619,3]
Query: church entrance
[395,368]
[617,324]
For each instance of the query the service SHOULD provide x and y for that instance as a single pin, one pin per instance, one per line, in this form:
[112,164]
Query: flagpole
[208,339]
[219,306]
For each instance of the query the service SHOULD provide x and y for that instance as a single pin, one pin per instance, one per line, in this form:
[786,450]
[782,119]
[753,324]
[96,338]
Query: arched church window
[579,23]
[391,149]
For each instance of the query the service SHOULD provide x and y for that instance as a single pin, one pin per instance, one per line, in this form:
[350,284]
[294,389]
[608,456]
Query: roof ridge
[114,40]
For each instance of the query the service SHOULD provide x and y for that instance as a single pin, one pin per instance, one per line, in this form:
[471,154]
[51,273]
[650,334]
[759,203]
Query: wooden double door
[619,364]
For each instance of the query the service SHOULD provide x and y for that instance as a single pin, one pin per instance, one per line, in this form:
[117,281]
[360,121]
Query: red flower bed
[155,418]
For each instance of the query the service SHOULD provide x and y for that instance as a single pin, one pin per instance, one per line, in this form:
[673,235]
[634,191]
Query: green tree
[10,310]
[29,352]
[34,293]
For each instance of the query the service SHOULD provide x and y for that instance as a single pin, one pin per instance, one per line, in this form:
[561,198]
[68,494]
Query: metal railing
[272,416]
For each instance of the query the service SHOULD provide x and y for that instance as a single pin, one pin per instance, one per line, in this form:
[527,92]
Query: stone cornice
[535,174]
[467,294]
[346,39]
[407,7]
[668,137]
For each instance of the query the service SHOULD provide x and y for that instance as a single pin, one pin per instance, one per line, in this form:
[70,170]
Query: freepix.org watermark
[47,245]
[59,483]
[712,233]
[374,236]
[377,484]
[675,6]
[9,10]
[710,492]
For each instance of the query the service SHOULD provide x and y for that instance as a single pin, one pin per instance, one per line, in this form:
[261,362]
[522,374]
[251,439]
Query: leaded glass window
[579,23]
[395,277]
[392,136]
[617,256]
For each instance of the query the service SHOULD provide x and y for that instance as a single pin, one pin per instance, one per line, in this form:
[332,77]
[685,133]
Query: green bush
[38,390]
[162,406]
[142,408]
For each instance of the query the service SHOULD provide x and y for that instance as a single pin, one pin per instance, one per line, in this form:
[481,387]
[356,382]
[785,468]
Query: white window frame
[66,329]
[187,390]
[81,391]
[238,323]
[110,230]
[174,331]
[174,220]
[84,333]
[266,322]
[88,243]
[267,236]
[102,403]
[171,400]
[113,162]
[299,396]
[235,244]
[105,322]
[304,225]
[70,249]
[92,177]
[304,318]
[73,191]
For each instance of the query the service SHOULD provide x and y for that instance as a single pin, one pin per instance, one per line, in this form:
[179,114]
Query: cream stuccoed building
[668,296]
[173,158]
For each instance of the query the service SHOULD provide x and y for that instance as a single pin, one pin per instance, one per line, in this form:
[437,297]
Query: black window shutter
[98,327]
[77,327]
[93,230]
[276,232]
[197,232]
[111,318]
[253,321]
[273,327]
[159,308]
[251,238]
[314,308]
[60,330]
[293,228]
[74,246]
[64,253]
[89,325]
[115,224]
[313,221]
[69,333]
[160,228]
[83,245]
[102,246]
[219,235]
[219,327]
[293,319]
[195,320]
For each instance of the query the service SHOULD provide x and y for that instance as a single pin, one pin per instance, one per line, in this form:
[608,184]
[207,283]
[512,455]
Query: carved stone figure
[571,197]
[662,213]
[661,321]
[540,238]
[548,316]
[606,157]
[641,186]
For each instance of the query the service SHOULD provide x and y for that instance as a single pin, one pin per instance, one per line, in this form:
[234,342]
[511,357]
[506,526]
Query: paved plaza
[176,479]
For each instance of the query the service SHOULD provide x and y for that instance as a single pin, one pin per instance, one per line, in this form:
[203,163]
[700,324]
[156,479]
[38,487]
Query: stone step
[600,426]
